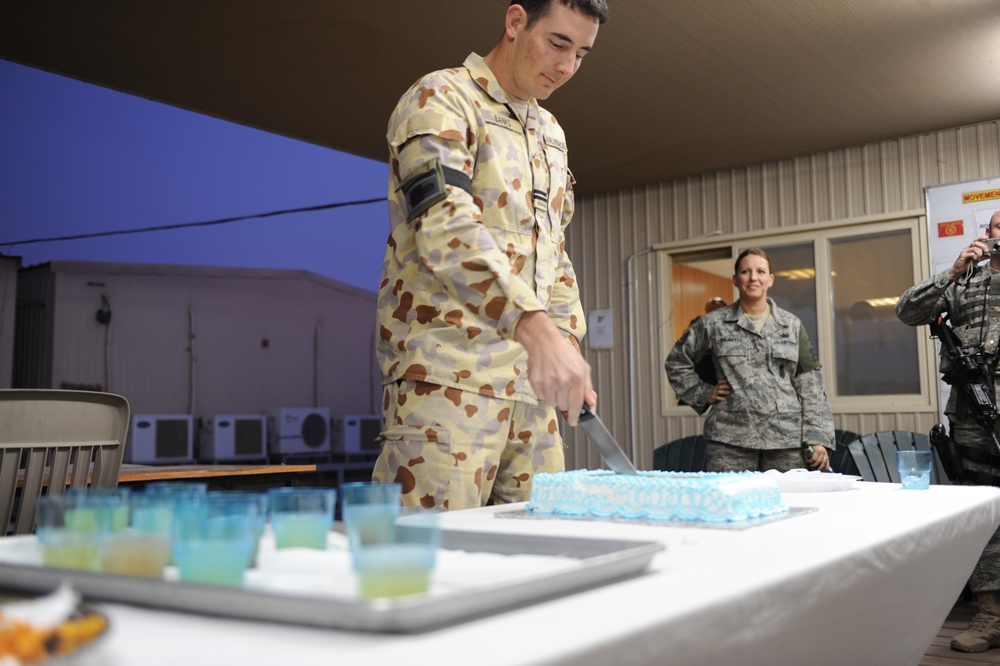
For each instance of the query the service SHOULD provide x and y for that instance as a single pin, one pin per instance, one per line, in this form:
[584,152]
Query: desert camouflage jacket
[778,399]
[456,279]
[968,304]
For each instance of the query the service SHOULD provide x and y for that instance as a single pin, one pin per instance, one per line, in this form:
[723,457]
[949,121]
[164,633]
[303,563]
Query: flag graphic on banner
[952,228]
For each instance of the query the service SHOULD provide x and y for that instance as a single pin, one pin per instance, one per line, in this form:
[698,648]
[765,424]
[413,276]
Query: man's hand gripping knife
[559,374]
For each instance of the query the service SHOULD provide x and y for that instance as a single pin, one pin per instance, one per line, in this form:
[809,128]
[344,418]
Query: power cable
[187,225]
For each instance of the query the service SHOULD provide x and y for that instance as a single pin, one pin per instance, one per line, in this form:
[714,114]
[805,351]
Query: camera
[992,246]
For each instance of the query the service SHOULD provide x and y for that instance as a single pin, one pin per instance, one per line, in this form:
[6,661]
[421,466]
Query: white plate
[810,481]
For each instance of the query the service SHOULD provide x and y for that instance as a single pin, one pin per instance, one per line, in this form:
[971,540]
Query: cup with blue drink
[301,517]
[213,538]
[393,549]
[914,469]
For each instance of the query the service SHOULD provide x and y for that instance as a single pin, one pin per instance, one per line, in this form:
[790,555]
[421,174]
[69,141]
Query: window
[843,283]
[794,268]
[876,354]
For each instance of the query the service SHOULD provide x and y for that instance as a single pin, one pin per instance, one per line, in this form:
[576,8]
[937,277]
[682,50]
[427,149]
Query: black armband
[425,186]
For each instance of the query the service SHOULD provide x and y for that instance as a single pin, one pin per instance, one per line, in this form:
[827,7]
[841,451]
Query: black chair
[681,455]
[841,460]
[875,455]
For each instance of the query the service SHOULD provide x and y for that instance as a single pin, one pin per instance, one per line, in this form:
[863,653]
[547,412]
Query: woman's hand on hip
[720,392]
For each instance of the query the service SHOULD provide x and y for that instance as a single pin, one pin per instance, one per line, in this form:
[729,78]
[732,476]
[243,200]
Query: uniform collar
[780,317]
[485,79]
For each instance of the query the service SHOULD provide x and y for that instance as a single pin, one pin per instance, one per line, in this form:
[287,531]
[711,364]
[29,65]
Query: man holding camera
[970,294]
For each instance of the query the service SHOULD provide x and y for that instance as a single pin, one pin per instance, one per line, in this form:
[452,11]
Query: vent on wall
[233,437]
[159,439]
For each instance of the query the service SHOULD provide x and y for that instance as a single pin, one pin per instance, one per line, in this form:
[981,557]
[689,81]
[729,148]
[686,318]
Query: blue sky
[76,158]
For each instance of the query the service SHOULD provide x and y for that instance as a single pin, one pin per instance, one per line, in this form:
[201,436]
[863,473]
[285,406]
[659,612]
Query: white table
[868,578]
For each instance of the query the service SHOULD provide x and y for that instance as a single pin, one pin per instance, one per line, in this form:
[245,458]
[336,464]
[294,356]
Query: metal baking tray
[594,562]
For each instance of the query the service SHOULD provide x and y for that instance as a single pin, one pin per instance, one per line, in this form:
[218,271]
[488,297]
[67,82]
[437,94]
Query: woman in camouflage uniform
[769,401]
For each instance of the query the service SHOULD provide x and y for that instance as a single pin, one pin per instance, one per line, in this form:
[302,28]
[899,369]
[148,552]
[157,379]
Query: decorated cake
[710,497]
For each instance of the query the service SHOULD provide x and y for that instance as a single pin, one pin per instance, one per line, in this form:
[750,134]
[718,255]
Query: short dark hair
[757,252]
[536,9]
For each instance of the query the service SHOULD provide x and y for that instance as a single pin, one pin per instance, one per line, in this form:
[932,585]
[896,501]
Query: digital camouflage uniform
[968,305]
[454,283]
[778,399]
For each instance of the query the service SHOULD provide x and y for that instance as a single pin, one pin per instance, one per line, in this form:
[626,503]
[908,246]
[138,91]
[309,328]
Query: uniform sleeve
[924,301]
[565,310]
[451,240]
[817,416]
[681,362]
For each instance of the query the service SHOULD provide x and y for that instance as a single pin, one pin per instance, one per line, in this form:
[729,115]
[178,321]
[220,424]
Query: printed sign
[952,228]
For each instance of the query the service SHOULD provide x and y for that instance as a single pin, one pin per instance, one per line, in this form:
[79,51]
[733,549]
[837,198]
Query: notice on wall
[957,214]
[600,329]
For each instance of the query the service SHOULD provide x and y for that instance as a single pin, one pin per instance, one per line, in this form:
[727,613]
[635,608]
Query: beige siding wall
[609,228]
[214,340]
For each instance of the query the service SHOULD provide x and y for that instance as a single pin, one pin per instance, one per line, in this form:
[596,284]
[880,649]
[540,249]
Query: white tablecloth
[868,578]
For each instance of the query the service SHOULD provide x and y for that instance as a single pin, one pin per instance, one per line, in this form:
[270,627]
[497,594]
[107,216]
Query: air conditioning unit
[160,439]
[357,433]
[299,430]
[233,437]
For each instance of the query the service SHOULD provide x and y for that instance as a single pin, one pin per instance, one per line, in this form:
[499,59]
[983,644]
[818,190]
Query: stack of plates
[806,481]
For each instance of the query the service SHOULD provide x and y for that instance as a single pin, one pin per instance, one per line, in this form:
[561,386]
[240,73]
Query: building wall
[610,228]
[181,339]
[8,303]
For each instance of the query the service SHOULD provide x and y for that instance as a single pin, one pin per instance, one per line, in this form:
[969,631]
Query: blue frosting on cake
[665,496]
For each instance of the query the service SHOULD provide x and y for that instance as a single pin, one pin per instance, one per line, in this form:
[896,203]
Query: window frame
[820,235]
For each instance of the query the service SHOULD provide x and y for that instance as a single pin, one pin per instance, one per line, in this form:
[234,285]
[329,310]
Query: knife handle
[586,413]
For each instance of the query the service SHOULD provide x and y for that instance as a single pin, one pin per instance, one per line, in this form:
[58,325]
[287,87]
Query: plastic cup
[914,469]
[144,547]
[213,538]
[364,492]
[399,561]
[71,529]
[302,517]
[393,550]
[261,500]
[370,511]
[178,493]
[120,498]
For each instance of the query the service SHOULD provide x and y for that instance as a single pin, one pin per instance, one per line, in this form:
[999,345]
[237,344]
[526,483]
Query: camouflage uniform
[456,279]
[968,304]
[778,399]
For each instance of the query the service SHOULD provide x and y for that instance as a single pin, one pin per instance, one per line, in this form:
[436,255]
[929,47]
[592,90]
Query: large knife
[599,434]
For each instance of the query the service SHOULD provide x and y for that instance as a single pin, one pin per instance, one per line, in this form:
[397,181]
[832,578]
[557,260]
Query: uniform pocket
[786,358]
[560,180]
[968,335]
[730,354]
[410,441]
[503,182]
[732,360]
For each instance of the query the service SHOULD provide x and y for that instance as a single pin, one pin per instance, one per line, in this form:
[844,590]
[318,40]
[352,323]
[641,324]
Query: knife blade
[606,444]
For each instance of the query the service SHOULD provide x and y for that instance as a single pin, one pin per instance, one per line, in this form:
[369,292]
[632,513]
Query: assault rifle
[971,376]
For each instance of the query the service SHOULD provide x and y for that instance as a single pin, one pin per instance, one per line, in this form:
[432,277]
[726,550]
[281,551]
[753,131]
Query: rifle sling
[982,478]
[979,456]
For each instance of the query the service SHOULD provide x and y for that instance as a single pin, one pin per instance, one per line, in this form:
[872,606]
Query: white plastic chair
[51,438]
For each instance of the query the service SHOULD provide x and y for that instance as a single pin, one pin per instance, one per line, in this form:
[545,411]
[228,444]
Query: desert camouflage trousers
[454,449]
[986,575]
[721,457]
